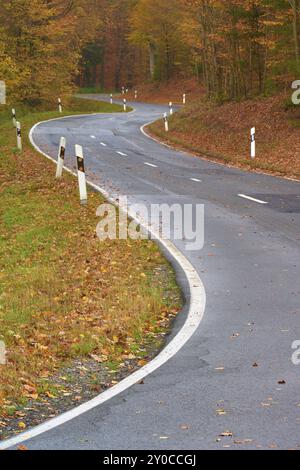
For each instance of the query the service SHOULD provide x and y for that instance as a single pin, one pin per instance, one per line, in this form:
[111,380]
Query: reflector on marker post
[171,108]
[184,98]
[166,122]
[59,105]
[61,157]
[253,143]
[81,174]
[14,118]
[19,135]
[125,105]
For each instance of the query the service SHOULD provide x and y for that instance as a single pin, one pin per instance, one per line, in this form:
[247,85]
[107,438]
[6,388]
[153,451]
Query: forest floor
[221,132]
[76,314]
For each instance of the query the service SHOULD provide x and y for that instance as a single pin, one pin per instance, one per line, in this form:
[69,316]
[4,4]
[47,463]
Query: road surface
[235,376]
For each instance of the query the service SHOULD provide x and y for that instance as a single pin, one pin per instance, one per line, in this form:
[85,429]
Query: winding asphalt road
[235,375]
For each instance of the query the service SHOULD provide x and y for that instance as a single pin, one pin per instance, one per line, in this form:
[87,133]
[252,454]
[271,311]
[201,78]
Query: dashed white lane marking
[93,137]
[150,164]
[103,144]
[244,196]
[196,180]
[122,154]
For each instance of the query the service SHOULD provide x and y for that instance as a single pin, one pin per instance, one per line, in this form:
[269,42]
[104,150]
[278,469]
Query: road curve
[235,376]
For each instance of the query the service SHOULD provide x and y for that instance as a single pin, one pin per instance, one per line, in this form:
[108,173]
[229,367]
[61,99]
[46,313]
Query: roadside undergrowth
[221,132]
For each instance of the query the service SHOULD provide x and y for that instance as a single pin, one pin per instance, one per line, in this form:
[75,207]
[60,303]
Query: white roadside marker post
[171,108]
[123,90]
[127,90]
[135,95]
[19,135]
[14,118]
[81,175]
[166,122]
[61,157]
[59,105]
[111,99]
[125,105]
[184,98]
[253,143]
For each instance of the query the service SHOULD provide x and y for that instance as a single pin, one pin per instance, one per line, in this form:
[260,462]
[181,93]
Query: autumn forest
[237,48]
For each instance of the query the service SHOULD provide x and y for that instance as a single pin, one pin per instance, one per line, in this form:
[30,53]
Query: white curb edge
[194,318]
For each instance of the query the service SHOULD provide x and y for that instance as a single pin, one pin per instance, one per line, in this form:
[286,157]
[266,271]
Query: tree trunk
[151,60]
[295,30]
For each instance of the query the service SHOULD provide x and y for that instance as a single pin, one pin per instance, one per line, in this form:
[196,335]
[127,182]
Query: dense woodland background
[237,48]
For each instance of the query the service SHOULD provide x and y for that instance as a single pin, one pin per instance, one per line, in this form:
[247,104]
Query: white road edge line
[93,137]
[195,180]
[122,154]
[193,320]
[150,164]
[244,196]
[103,144]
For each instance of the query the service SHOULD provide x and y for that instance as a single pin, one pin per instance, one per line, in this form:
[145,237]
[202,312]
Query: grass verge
[64,295]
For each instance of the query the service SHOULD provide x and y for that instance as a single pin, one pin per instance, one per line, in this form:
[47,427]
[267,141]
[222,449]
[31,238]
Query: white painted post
[61,157]
[171,108]
[81,175]
[111,99]
[127,90]
[14,118]
[125,105]
[253,143]
[184,98]
[166,122]
[59,105]
[123,90]
[135,95]
[19,135]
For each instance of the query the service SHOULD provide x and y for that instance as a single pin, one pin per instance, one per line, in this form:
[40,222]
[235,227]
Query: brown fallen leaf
[142,363]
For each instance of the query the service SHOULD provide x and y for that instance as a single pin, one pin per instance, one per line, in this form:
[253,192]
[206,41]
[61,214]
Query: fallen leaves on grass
[222,133]
[64,294]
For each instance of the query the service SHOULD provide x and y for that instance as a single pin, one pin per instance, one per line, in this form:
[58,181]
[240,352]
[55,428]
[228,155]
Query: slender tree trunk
[295,7]
[151,60]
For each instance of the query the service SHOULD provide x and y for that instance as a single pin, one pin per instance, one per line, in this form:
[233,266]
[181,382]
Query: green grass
[74,106]
[63,293]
